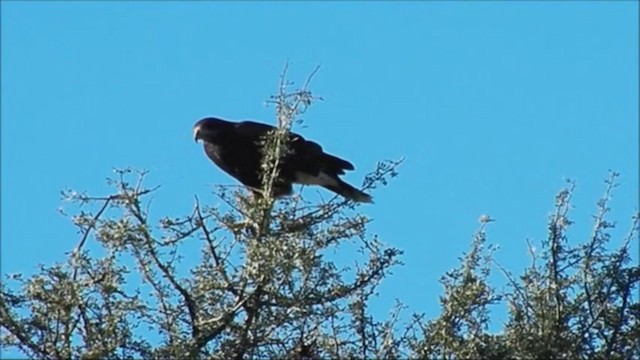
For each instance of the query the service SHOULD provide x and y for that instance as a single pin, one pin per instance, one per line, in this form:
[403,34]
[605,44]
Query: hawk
[236,148]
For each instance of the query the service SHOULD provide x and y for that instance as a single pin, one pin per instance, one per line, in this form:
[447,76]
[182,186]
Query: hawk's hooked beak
[196,133]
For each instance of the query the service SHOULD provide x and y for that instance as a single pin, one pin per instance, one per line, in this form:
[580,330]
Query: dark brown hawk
[236,147]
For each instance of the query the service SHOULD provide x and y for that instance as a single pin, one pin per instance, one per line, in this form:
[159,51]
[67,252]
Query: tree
[573,300]
[266,287]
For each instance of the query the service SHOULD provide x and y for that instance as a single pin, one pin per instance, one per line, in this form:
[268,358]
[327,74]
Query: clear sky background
[493,105]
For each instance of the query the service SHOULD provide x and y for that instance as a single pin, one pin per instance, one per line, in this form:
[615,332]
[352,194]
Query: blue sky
[492,104]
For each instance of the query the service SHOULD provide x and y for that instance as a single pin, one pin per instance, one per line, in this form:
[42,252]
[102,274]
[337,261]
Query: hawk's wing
[255,130]
[303,151]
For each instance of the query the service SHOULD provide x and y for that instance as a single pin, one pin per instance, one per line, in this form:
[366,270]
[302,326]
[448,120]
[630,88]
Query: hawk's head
[210,129]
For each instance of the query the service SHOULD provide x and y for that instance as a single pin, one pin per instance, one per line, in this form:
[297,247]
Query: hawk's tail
[348,191]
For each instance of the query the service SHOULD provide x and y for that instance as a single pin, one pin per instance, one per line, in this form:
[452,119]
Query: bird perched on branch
[236,147]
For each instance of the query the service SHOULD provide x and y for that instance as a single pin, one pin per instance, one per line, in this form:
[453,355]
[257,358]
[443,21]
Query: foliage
[572,301]
[266,285]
